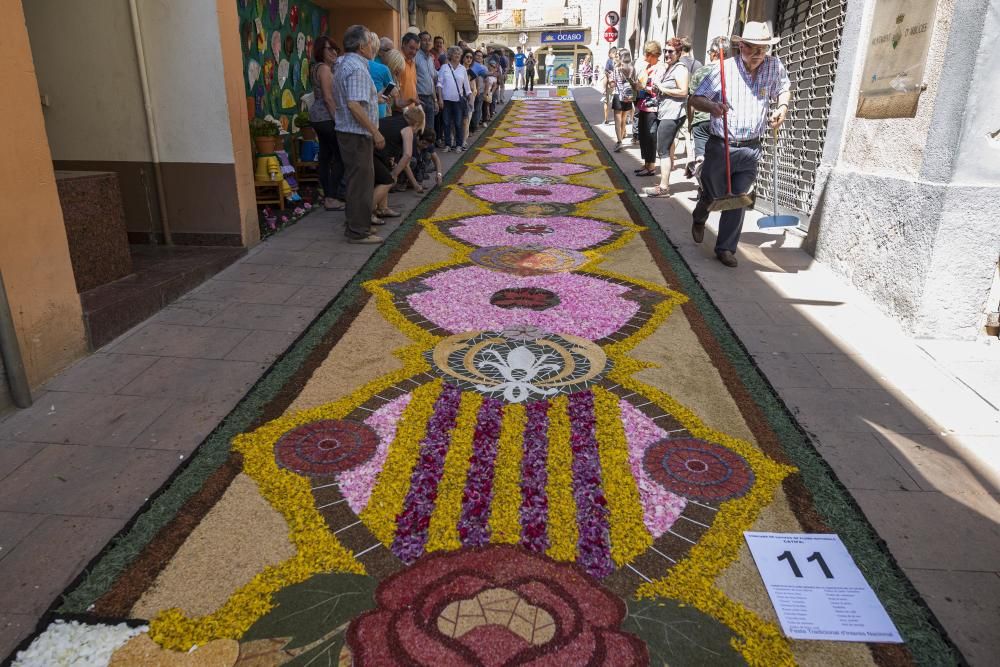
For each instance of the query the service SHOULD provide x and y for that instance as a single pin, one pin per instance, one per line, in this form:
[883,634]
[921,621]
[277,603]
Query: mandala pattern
[533,209]
[326,447]
[562,193]
[519,370]
[530,298]
[540,138]
[532,169]
[528,260]
[699,470]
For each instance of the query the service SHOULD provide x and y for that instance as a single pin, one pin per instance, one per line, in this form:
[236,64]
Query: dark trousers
[477,113]
[427,102]
[360,171]
[647,136]
[331,166]
[529,78]
[454,115]
[439,124]
[701,134]
[743,167]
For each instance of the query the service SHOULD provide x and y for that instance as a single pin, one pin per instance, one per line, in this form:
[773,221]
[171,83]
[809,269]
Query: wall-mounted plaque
[897,55]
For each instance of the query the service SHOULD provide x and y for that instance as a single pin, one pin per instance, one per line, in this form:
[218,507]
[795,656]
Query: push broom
[728,201]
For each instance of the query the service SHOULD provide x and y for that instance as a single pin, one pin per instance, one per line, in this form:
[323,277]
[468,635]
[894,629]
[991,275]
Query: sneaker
[446,149]
[465,146]
[459,149]
[618,147]
[371,239]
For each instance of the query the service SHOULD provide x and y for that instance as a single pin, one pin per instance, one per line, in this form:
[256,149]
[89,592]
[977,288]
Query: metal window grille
[810,41]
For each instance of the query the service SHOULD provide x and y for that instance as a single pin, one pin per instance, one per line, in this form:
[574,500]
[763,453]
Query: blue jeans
[454,114]
[477,113]
[548,74]
[743,167]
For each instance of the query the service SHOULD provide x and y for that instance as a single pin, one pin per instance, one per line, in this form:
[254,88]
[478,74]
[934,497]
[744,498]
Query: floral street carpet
[522,435]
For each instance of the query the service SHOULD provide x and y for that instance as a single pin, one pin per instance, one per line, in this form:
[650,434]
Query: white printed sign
[817,590]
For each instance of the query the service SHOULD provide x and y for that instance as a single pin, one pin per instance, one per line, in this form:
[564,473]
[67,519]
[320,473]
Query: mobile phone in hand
[388,89]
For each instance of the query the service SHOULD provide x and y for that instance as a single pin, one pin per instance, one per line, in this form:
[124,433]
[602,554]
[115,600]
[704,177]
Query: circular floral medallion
[533,209]
[528,260]
[534,180]
[498,605]
[526,228]
[698,469]
[530,298]
[518,370]
[544,139]
[326,447]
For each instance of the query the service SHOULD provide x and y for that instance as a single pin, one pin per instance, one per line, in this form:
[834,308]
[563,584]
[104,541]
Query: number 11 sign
[817,590]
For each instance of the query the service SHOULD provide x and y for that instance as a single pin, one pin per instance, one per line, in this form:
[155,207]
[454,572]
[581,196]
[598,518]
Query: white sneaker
[460,149]
[446,149]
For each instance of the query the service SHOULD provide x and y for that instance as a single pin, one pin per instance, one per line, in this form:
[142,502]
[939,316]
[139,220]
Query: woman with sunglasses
[672,90]
[468,57]
[321,116]
[649,100]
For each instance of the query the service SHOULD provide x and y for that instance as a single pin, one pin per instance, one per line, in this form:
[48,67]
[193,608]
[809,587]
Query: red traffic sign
[611,34]
[612,18]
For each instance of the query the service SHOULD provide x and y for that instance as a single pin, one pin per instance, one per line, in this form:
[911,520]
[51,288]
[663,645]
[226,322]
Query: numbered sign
[817,590]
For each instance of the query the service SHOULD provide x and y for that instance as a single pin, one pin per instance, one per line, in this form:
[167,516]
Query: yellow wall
[232,62]
[439,24]
[383,21]
[34,253]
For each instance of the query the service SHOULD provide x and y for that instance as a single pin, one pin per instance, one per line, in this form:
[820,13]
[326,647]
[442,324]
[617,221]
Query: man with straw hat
[753,79]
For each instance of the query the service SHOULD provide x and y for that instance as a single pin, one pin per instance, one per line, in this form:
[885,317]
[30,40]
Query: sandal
[656,191]
[336,207]
[377,221]
[386,213]
[645,172]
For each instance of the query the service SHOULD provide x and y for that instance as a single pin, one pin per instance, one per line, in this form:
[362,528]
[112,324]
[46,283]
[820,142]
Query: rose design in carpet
[494,606]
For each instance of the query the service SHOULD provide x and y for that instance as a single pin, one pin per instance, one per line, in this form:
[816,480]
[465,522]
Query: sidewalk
[106,433]
[911,427]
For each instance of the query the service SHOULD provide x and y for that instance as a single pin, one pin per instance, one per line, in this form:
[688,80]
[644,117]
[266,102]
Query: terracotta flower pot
[265,144]
[309,133]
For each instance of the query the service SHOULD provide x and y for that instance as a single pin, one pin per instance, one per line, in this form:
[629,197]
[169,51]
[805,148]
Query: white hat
[757,32]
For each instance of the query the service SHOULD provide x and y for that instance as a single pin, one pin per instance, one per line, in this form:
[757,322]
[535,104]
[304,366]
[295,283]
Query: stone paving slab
[912,428]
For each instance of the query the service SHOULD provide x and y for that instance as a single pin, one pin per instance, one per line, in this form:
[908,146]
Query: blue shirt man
[519,60]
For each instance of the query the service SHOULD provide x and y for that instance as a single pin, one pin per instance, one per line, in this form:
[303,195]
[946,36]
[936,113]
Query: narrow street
[909,428]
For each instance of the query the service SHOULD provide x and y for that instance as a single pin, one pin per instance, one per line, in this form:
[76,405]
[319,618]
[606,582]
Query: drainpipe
[140,55]
[10,352]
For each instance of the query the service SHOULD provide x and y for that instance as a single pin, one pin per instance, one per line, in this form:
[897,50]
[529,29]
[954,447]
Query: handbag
[462,97]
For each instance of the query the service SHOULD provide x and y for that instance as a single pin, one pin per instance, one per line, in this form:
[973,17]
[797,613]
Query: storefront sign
[897,54]
[563,37]
[611,35]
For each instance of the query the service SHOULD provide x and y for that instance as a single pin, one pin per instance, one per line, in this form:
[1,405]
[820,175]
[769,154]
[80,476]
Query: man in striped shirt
[753,80]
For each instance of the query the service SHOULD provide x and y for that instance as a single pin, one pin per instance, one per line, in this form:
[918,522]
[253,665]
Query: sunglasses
[670,51]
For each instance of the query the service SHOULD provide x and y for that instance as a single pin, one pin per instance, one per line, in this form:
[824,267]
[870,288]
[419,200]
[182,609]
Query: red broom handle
[725,126]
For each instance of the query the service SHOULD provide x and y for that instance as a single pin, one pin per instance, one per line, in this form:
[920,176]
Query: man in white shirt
[453,84]
[550,66]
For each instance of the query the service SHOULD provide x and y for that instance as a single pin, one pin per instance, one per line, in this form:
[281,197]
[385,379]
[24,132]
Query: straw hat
[757,32]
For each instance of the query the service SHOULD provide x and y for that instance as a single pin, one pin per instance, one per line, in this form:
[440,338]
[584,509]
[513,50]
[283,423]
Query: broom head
[730,202]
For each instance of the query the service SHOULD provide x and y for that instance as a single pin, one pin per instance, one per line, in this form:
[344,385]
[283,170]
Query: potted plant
[264,134]
[304,126]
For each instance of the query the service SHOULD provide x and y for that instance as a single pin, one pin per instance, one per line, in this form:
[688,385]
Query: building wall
[906,206]
[381,19]
[34,254]
[439,23]
[234,74]
[96,119]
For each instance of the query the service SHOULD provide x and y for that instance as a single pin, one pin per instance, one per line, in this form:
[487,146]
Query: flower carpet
[522,435]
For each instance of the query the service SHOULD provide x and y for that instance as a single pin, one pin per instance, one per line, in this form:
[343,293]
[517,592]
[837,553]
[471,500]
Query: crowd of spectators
[650,101]
[382,111]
